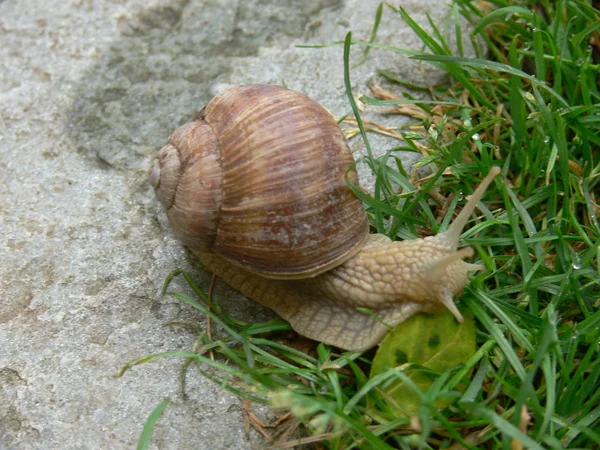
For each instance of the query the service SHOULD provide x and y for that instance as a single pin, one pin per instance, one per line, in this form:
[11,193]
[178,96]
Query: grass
[529,104]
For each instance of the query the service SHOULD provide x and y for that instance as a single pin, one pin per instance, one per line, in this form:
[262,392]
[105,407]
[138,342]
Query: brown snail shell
[259,177]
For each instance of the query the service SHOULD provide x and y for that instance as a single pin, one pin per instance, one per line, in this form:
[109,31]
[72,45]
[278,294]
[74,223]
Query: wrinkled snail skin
[324,297]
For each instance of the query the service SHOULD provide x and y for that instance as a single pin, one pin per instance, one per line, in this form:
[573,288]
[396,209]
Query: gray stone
[89,90]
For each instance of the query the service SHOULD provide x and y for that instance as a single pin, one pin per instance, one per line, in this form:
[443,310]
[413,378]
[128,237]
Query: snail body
[256,185]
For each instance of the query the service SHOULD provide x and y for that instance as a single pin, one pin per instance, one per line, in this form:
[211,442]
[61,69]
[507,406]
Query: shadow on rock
[159,73]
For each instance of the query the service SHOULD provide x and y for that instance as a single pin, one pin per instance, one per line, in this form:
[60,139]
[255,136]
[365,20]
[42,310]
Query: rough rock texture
[89,90]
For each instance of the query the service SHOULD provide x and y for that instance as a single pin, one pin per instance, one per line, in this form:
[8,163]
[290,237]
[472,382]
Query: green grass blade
[373,36]
[144,440]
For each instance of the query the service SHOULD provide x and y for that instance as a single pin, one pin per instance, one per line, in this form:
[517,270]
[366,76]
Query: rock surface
[89,90]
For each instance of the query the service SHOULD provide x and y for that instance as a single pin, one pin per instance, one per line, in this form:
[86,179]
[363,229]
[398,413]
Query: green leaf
[430,344]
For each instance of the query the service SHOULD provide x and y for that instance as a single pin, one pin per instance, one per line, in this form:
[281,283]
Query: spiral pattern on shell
[260,178]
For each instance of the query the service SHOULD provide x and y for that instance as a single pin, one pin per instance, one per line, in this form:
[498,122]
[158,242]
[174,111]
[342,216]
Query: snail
[256,186]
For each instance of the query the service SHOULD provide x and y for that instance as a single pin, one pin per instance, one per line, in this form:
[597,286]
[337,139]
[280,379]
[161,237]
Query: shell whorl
[186,175]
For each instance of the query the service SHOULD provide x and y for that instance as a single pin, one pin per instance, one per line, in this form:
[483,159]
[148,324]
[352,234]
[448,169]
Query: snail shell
[259,177]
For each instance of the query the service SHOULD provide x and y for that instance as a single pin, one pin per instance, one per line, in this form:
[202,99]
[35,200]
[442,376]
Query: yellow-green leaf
[436,342]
